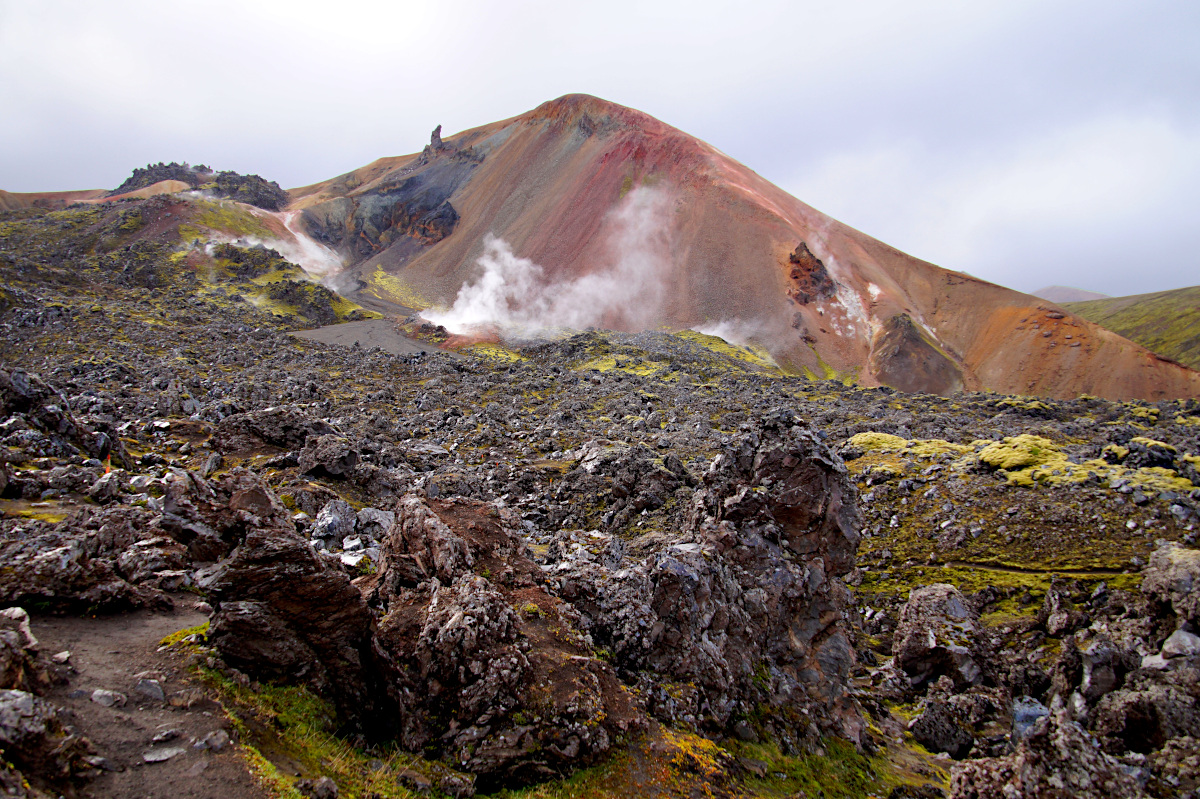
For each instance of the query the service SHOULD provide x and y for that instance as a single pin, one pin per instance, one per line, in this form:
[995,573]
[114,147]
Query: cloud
[1101,181]
[920,103]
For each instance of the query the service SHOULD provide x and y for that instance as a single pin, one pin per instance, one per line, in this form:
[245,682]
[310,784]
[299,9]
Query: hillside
[1166,322]
[586,213]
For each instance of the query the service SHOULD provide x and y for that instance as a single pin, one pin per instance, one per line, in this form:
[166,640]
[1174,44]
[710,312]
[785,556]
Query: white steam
[626,292]
[316,259]
[735,331]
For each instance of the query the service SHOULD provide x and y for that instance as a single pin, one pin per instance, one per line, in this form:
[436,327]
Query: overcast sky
[1028,143]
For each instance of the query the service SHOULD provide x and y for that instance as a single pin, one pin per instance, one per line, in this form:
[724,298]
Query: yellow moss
[932,447]
[751,354]
[1143,412]
[607,363]
[1019,452]
[494,352]
[1025,405]
[390,287]
[883,442]
[179,635]
[1116,451]
[1188,421]
[1156,478]
[919,448]
[1150,442]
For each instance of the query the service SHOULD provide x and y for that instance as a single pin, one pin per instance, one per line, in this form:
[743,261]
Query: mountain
[1166,322]
[1062,294]
[586,213]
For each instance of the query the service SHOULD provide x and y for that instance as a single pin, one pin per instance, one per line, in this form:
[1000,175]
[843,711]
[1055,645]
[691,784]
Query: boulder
[1172,579]
[1056,758]
[35,739]
[335,521]
[937,635]
[1153,708]
[21,668]
[286,427]
[328,455]
[939,729]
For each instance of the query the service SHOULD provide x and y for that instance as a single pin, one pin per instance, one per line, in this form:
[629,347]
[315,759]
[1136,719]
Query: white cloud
[961,210]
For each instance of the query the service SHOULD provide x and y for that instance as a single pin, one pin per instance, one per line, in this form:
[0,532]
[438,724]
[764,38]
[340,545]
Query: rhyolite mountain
[734,248]
[583,188]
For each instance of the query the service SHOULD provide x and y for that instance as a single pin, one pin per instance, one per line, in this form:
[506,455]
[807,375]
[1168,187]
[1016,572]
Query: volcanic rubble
[517,563]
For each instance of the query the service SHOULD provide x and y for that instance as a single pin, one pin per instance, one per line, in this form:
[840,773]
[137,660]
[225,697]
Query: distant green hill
[1167,322]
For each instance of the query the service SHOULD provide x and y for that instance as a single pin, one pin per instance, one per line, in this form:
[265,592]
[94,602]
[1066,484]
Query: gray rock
[330,455]
[1026,711]
[151,689]
[321,788]
[107,698]
[162,754]
[216,741]
[335,521]
[374,523]
[938,634]
[17,620]
[1181,644]
[108,487]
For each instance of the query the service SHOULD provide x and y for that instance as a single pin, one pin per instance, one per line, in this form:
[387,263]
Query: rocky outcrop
[743,612]
[906,356]
[286,427]
[489,668]
[810,280]
[36,741]
[38,423]
[1172,579]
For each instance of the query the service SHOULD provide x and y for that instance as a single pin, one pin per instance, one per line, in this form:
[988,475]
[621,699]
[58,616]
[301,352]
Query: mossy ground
[1167,322]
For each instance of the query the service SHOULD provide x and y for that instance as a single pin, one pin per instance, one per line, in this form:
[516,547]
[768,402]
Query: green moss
[225,217]
[293,724]
[176,637]
[840,771]
[1167,322]
[752,354]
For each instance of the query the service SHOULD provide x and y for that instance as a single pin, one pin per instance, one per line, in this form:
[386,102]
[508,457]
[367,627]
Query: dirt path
[114,653]
[368,333]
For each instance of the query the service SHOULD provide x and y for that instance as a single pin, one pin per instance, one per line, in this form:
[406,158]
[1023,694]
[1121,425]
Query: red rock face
[565,186]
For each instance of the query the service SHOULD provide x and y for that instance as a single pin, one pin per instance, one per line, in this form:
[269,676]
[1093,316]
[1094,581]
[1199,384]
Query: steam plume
[626,293]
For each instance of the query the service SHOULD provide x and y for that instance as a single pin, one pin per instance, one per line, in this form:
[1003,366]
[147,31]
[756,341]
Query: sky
[1027,143]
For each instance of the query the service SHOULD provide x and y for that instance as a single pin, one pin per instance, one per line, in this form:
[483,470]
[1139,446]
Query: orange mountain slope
[631,224]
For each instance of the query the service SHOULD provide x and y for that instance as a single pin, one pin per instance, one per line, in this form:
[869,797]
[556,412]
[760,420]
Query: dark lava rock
[1057,758]
[285,612]
[939,730]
